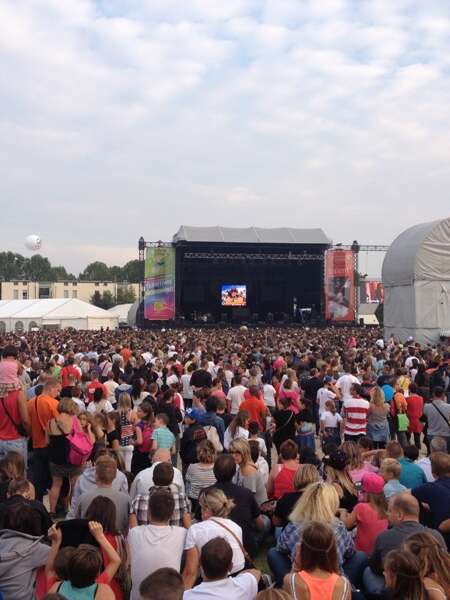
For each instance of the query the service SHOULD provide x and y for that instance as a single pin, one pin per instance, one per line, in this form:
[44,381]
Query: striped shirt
[355,412]
[163,437]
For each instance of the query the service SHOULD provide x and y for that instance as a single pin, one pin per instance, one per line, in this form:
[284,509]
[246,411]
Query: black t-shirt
[111,436]
[192,436]
[311,386]
[244,513]
[285,426]
[305,416]
[285,506]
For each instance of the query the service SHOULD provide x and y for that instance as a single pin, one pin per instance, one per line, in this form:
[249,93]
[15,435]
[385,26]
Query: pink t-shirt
[369,526]
[357,474]
[8,372]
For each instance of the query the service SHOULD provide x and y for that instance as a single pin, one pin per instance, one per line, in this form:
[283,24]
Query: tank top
[284,482]
[126,430]
[319,589]
[67,590]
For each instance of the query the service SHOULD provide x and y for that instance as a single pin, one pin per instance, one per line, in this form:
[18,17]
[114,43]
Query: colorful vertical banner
[340,285]
[159,284]
[371,292]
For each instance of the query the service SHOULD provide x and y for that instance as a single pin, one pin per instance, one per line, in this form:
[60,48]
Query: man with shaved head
[144,479]
[403,515]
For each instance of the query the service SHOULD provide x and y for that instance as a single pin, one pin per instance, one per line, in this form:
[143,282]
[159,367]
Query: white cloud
[125,118]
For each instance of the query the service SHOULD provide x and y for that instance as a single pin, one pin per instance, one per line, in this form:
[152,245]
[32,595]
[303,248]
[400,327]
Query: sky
[122,118]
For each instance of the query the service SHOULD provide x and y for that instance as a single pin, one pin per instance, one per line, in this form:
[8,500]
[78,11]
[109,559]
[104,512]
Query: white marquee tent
[121,311]
[416,279]
[24,315]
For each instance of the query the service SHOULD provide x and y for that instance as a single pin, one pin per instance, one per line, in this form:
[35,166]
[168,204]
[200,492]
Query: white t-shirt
[263,468]
[153,547]
[330,420]
[111,386]
[240,433]
[102,406]
[144,480]
[171,379]
[241,587]
[269,394]
[323,395]
[236,397]
[345,383]
[201,533]
[186,391]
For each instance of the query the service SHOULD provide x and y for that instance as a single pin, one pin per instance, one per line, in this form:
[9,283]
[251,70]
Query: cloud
[121,119]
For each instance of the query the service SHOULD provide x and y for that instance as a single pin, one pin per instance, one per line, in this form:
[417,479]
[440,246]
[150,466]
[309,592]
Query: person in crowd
[403,515]
[157,544]
[105,473]
[245,512]
[14,417]
[284,424]
[99,403]
[355,411]
[111,385]
[41,410]
[336,472]
[162,437]
[369,516]
[113,431]
[414,411]
[215,510]
[163,477]
[128,432]
[163,584]
[281,478]
[254,405]
[193,434]
[435,496]
[144,480]
[235,395]
[437,413]
[315,571]
[330,424]
[434,564]
[58,430]
[216,563]
[377,418]
[22,552]
[200,475]
[212,423]
[305,423]
[319,502]
[357,466]
[403,580]
[145,423]
[304,475]
[21,493]
[12,468]
[390,471]
[437,444]
[247,474]
[411,475]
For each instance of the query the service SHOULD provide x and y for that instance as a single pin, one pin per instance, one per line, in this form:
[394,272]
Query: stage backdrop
[159,284]
[339,285]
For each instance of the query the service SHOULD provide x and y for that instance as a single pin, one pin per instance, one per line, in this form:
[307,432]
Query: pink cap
[372,483]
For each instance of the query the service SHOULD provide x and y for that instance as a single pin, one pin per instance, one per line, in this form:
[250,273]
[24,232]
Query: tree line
[14,266]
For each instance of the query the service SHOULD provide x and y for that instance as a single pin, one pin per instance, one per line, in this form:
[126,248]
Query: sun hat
[372,483]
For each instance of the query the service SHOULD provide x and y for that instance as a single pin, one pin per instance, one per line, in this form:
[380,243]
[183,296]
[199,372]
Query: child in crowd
[330,424]
[390,472]
[162,437]
[305,425]
[254,434]
[260,461]
[9,371]
[127,429]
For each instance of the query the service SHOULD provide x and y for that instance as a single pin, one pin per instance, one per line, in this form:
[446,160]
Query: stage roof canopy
[251,235]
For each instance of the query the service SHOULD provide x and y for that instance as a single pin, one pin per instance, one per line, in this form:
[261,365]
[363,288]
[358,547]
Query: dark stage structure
[236,275]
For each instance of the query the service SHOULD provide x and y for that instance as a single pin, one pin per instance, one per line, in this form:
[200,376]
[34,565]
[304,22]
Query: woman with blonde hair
[200,475]
[357,467]
[335,472]
[305,475]
[319,502]
[377,423]
[434,563]
[247,474]
[215,508]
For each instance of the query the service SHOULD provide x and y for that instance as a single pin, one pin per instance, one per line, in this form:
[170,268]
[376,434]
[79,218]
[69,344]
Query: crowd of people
[198,464]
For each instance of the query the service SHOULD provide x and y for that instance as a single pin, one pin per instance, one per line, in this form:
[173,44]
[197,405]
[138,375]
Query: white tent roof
[251,235]
[421,253]
[54,308]
[121,311]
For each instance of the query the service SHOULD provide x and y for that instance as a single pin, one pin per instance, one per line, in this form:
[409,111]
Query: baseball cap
[195,414]
[327,379]
[372,483]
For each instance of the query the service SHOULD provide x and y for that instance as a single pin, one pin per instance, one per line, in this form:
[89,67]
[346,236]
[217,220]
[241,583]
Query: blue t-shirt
[388,392]
[393,487]
[411,475]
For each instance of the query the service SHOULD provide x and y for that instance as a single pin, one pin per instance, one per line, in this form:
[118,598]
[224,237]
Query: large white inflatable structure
[416,279]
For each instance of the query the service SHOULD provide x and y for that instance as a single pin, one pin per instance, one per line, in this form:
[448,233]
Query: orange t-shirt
[46,410]
[125,353]
[256,409]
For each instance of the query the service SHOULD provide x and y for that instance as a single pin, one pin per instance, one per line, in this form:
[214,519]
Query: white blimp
[33,242]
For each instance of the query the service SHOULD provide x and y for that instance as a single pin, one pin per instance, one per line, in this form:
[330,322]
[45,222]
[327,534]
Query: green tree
[116,273]
[96,299]
[60,274]
[107,300]
[12,266]
[96,271]
[39,268]
[133,271]
[125,295]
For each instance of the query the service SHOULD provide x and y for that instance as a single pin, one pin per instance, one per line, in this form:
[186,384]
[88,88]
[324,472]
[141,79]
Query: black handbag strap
[17,426]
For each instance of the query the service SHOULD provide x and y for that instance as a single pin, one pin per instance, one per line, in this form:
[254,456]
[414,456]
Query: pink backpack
[80,446]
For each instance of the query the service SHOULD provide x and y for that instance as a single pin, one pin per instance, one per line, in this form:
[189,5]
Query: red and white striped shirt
[355,414]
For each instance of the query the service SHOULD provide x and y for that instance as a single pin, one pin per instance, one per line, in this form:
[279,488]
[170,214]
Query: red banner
[339,285]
